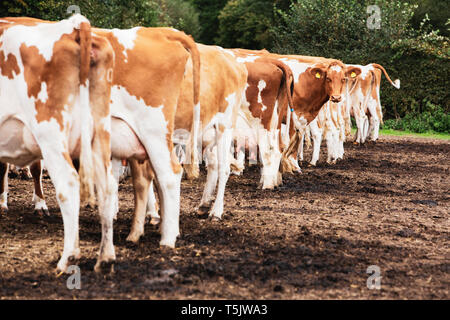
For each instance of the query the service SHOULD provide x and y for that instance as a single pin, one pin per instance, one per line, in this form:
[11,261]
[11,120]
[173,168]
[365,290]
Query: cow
[363,101]
[330,122]
[149,68]
[223,82]
[55,87]
[316,80]
[268,90]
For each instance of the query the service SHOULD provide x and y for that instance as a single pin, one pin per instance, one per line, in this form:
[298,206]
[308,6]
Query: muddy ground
[386,204]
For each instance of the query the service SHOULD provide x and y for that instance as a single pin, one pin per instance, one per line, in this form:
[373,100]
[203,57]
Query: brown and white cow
[363,100]
[316,80]
[330,122]
[55,86]
[149,69]
[267,92]
[222,88]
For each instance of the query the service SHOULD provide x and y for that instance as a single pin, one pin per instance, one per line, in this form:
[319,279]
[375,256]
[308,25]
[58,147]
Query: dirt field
[386,204]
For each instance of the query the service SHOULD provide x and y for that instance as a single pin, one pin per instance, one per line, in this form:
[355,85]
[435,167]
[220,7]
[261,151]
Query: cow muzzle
[336,99]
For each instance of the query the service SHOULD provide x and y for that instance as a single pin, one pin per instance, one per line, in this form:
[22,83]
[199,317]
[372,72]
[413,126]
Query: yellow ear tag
[318,75]
[353,74]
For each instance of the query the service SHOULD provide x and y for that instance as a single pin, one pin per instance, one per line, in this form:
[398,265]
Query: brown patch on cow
[61,75]
[61,197]
[8,65]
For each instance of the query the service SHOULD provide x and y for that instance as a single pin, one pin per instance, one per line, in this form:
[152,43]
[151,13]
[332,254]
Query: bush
[337,29]
[181,15]
[433,119]
[247,23]
[110,14]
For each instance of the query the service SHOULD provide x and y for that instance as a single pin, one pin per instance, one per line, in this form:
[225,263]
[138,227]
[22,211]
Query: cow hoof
[104,267]
[202,212]
[155,221]
[166,250]
[134,237]
[42,212]
[214,218]
[3,211]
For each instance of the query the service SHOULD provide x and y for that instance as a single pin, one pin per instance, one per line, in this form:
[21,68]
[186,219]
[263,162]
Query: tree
[209,22]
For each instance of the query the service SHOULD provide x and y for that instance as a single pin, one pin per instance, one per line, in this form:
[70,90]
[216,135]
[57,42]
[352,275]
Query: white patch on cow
[227,51]
[249,58]
[297,67]
[261,85]
[336,68]
[126,38]
[43,94]
[39,203]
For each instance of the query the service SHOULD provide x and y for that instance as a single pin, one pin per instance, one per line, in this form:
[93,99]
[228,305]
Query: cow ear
[317,73]
[352,72]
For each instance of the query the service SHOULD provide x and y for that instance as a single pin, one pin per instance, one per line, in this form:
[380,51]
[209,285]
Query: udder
[17,144]
[124,142]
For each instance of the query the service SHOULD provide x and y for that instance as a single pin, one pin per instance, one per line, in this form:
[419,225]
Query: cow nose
[336,98]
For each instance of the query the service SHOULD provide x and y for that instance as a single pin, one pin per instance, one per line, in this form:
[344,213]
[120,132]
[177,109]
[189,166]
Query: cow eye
[328,79]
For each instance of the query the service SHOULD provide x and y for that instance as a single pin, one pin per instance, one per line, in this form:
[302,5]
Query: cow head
[334,75]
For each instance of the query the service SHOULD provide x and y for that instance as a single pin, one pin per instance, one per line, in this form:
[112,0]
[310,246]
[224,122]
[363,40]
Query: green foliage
[209,22]
[245,23]
[432,119]
[438,12]
[181,15]
[112,13]
[337,29]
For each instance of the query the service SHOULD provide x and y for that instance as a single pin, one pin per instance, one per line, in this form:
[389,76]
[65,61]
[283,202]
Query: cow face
[335,75]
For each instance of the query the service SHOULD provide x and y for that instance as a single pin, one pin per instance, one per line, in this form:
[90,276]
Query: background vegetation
[412,42]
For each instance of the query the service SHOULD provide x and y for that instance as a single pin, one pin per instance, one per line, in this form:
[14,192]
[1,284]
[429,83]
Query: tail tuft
[397,83]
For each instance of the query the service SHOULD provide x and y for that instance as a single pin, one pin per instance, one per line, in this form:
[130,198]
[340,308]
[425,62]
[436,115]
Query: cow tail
[86,171]
[395,83]
[192,164]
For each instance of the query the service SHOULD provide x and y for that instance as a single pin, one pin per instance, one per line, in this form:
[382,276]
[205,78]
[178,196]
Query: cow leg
[3,188]
[238,164]
[152,206]
[67,186]
[270,159]
[375,129]
[211,180]
[168,175]
[141,185]
[223,155]
[117,170]
[365,130]
[300,147]
[316,135]
[40,207]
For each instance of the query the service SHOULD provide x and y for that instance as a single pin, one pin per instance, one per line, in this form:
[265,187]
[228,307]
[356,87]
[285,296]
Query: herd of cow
[85,100]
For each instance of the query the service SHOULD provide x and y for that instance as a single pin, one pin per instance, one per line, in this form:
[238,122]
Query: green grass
[433,135]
